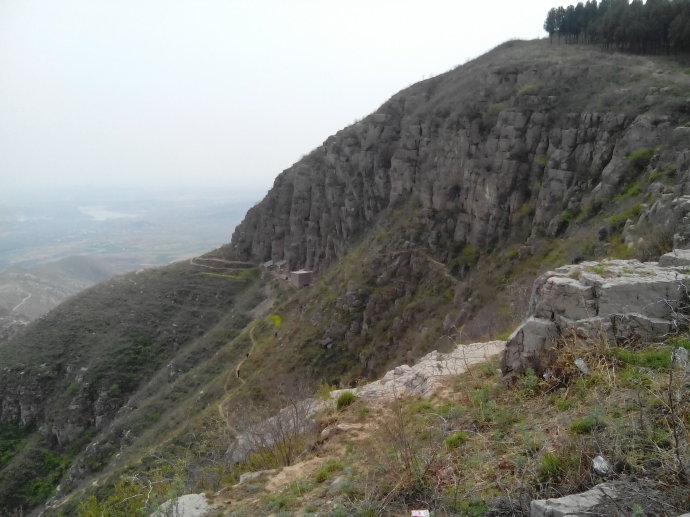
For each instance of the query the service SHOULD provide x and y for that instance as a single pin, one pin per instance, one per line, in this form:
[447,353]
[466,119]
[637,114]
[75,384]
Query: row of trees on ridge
[654,26]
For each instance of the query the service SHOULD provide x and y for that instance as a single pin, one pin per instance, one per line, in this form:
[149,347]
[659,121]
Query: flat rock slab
[426,376]
[572,505]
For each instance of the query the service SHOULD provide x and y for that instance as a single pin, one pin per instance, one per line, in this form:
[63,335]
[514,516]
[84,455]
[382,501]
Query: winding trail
[229,263]
[251,349]
[222,407]
[26,298]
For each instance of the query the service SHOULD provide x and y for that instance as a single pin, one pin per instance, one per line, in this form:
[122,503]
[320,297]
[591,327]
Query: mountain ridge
[501,118]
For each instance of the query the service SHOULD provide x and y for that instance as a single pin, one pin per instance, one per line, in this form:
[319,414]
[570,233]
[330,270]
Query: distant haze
[205,93]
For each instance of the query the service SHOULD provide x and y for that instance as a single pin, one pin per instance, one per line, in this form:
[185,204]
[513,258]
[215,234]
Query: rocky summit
[443,218]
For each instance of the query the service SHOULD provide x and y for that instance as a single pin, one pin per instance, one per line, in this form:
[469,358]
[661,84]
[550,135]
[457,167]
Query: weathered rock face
[481,150]
[613,300]
[424,377]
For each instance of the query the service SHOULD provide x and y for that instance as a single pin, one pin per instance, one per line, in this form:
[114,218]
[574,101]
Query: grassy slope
[481,446]
[133,342]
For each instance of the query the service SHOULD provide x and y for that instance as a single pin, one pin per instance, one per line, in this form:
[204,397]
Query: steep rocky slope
[607,332]
[527,132]
[425,222]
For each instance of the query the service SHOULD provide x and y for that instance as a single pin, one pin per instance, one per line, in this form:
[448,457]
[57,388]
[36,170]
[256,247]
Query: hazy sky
[215,92]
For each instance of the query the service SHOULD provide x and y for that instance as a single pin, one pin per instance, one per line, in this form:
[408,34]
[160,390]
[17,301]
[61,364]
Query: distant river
[101,213]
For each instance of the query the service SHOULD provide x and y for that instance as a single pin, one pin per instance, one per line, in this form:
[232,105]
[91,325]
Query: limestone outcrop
[424,377]
[613,300]
[481,151]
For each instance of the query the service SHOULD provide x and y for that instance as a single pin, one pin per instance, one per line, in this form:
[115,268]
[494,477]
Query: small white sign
[420,513]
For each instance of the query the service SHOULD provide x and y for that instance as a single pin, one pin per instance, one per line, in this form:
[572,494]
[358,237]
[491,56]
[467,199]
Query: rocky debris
[422,379]
[338,484]
[679,359]
[613,300]
[251,476]
[190,505]
[582,366]
[601,466]
[425,377]
[295,419]
[336,429]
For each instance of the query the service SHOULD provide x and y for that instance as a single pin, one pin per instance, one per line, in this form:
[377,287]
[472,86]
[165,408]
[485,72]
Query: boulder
[530,346]
[251,476]
[677,258]
[613,300]
[190,505]
[291,421]
[335,429]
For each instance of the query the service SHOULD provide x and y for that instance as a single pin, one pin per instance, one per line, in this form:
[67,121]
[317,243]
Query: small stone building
[301,278]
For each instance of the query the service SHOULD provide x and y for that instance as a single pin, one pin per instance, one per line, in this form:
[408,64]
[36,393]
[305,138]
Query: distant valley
[54,246]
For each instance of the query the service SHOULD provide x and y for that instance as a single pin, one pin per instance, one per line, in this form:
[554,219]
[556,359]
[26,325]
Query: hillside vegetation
[426,223]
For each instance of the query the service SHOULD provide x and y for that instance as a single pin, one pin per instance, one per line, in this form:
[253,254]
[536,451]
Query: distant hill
[29,292]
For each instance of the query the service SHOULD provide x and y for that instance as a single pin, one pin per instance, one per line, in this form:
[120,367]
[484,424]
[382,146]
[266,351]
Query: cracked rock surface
[613,300]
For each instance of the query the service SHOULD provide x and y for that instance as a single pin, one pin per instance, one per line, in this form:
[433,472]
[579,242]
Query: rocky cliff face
[526,135]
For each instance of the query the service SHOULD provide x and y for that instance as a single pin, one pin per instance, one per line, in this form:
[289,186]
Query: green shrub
[620,218]
[456,439]
[552,467]
[327,469]
[323,392]
[630,191]
[597,270]
[494,109]
[345,399]
[640,158]
[561,403]
[468,508]
[529,382]
[679,342]
[275,319]
[450,410]
[569,215]
[654,358]
[587,424]
[421,406]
